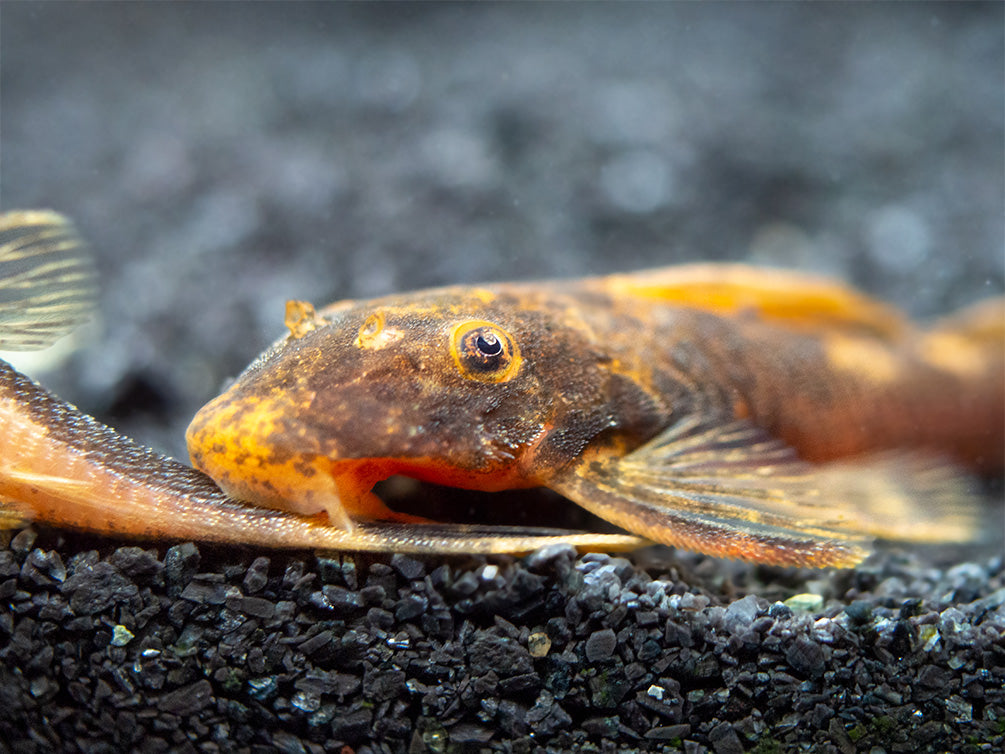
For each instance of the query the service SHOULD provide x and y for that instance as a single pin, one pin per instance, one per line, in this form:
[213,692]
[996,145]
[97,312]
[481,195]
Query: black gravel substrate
[189,648]
[222,157]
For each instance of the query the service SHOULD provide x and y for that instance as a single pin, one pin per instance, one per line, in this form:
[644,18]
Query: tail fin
[982,323]
[47,279]
[970,344]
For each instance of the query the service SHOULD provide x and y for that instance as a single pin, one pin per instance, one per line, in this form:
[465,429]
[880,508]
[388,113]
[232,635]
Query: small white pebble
[823,630]
[121,636]
[930,636]
[401,641]
[806,603]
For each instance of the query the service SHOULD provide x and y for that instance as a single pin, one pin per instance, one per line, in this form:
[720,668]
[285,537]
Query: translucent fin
[10,518]
[795,299]
[58,485]
[900,495]
[730,490]
[485,540]
[47,279]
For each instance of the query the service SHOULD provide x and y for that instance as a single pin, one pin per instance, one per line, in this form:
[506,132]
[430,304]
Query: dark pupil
[488,344]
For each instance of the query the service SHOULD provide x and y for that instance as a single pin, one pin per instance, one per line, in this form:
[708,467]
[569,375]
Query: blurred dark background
[222,158]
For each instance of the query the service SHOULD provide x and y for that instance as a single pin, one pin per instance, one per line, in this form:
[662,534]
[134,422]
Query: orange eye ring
[485,352]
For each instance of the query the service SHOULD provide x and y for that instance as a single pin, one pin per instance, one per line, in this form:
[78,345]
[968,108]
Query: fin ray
[47,279]
[727,488]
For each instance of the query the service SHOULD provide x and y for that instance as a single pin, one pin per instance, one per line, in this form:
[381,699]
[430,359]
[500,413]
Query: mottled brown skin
[405,407]
[365,390]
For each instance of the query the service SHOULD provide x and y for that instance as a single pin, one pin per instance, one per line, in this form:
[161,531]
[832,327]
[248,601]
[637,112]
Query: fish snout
[250,448]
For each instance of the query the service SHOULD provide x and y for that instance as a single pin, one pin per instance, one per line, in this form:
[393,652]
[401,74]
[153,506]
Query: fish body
[741,412]
[713,407]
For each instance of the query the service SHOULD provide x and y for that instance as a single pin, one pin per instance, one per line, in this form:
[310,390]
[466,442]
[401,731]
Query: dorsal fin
[47,280]
[796,299]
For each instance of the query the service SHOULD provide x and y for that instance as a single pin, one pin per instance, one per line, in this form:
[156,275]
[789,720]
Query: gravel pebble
[712,673]
[601,645]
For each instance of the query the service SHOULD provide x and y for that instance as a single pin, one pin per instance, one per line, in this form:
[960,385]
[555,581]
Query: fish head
[463,387]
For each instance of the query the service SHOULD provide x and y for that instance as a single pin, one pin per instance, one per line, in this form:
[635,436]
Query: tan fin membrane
[728,489]
[47,279]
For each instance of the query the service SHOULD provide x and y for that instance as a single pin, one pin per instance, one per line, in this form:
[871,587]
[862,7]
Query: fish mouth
[255,453]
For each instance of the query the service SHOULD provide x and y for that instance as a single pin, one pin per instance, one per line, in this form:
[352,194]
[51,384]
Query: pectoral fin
[726,488]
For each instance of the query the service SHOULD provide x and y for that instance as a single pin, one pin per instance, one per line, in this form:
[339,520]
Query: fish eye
[488,344]
[485,352]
